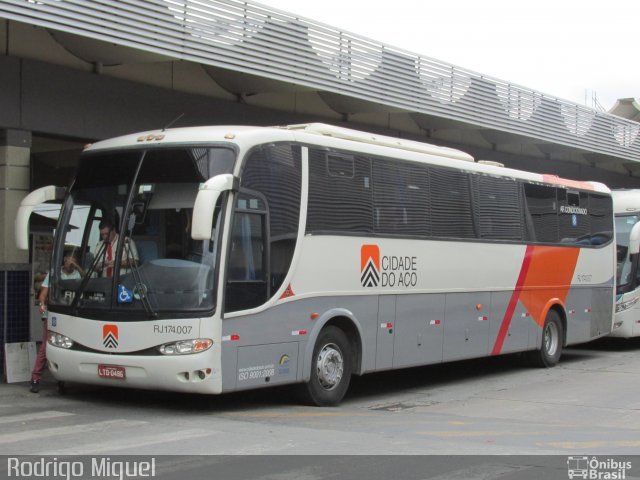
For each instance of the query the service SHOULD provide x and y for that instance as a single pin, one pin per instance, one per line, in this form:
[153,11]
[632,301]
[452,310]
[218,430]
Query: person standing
[70,270]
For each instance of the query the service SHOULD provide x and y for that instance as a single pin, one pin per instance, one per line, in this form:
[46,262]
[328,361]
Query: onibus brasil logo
[597,469]
[378,270]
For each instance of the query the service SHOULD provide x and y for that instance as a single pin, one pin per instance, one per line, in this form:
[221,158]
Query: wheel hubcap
[551,339]
[330,366]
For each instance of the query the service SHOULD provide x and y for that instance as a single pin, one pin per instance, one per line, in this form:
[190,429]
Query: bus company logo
[393,271]
[369,265]
[594,468]
[110,336]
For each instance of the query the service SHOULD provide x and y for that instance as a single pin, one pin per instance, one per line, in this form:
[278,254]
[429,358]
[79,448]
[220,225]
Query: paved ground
[587,405]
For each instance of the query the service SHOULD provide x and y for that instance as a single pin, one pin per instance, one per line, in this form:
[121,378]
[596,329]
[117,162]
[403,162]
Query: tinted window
[543,212]
[401,198]
[275,173]
[451,214]
[247,268]
[601,216]
[573,217]
[498,208]
[339,203]
[340,165]
[357,195]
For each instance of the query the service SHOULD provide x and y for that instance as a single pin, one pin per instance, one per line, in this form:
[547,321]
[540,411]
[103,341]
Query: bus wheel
[330,369]
[551,348]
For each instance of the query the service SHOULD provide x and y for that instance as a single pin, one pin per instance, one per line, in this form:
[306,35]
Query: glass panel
[340,166]
[573,219]
[624,224]
[499,208]
[339,204]
[247,271]
[543,212]
[401,198]
[601,216]
[451,214]
[246,260]
[275,173]
[129,217]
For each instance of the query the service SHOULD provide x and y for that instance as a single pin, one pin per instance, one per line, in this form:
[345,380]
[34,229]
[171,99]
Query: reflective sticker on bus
[287,293]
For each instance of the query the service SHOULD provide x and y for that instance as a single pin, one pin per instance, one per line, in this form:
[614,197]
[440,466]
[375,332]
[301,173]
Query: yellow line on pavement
[591,444]
[272,414]
[476,433]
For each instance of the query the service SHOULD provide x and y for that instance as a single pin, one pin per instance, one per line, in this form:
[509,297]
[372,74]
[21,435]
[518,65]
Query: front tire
[551,348]
[330,369]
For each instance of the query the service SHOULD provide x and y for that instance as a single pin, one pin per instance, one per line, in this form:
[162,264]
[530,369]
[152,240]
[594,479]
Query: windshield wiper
[139,287]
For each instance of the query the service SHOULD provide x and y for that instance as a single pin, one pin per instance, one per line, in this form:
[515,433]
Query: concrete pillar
[15,271]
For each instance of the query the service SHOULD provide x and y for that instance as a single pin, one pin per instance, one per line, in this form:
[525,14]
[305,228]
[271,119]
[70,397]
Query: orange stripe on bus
[567,183]
[511,307]
[549,275]
[545,275]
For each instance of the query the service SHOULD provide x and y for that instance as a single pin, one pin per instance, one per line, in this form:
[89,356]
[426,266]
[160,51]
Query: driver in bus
[107,247]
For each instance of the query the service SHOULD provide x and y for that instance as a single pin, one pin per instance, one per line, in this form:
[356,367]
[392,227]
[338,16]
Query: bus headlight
[621,307]
[185,347]
[59,340]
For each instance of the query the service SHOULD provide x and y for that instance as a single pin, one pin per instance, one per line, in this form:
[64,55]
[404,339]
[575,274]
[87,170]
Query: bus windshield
[624,224]
[123,243]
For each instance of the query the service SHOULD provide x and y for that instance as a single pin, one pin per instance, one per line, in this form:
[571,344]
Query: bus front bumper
[196,373]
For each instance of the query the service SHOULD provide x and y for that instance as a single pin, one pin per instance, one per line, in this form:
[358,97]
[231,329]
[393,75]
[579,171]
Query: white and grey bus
[626,205]
[310,253]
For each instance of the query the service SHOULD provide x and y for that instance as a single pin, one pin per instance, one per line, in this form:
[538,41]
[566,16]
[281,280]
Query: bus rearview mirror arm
[205,203]
[27,205]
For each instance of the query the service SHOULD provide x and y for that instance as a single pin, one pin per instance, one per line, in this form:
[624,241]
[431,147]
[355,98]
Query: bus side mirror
[32,200]
[205,204]
[634,240]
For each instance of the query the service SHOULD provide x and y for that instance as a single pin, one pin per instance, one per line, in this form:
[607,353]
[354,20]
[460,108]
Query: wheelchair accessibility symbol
[124,295]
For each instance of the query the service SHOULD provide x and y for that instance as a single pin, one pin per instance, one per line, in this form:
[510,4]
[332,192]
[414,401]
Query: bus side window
[274,174]
[247,285]
[247,248]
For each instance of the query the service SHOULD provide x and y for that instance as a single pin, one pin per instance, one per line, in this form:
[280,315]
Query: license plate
[111,371]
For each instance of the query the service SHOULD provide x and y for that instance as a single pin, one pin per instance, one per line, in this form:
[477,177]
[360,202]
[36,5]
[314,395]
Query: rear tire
[551,347]
[330,369]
